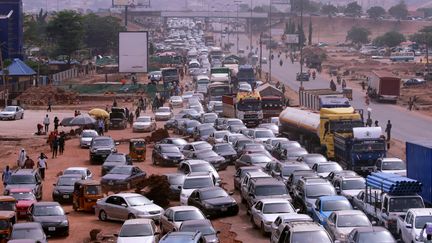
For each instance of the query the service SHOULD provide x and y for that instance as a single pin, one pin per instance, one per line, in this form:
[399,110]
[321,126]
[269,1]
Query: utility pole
[250,26]
[260,56]
[301,46]
[126,15]
[271,43]
[4,78]
[236,25]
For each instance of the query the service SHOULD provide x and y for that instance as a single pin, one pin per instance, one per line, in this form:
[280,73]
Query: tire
[22,116]
[153,161]
[252,222]
[15,117]
[131,216]
[262,229]
[103,216]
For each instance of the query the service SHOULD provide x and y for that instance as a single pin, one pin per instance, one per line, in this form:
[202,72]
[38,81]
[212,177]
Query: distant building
[11,29]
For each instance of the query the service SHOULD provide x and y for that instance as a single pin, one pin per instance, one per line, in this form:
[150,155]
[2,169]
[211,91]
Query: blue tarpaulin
[19,68]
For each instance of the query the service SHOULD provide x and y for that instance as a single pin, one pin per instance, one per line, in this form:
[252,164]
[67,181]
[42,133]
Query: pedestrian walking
[114,103]
[376,123]
[61,143]
[363,84]
[131,118]
[56,123]
[101,126]
[369,122]
[410,103]
[126,112]
[46,123]
[55,145]
[137,112]
[343,84]
[21,158]
[367,101]
[42,165]
[49,105]
[332,85]
[388,130]
[29,163]
[6,175]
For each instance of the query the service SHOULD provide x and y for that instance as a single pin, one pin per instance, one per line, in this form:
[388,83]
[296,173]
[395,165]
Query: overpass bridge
[203,14]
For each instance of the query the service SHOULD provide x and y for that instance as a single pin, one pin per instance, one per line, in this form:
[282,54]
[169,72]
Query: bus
[402,56]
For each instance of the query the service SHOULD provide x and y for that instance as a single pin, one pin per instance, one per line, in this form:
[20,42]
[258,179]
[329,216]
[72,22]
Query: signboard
[125,2]
[292,39]
[133,52]
[280,1]
[277,32]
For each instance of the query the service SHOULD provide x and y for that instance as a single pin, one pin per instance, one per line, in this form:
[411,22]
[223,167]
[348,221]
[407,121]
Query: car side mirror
[124,205]
[230,193]
[316,209]
[374,223]
[297,210]
[338,190]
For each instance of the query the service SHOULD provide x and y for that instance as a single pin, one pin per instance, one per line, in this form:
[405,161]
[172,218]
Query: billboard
[133,52]
[292,39]
[124,2]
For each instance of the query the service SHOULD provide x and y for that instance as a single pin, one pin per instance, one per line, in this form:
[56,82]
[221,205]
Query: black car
[202,225]
[123,177]
[179,142]
[64,187]
[51,216]
[225,150]
[100,148]
[175,180]
[115,159]
[213,202]
[210,156]
[258,159]
[166,155]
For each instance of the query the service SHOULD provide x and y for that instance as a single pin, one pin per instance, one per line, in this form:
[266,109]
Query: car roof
[295,216]
[304,226]
[327,163]
[167,145]
[421,211]
[76,168]
[24,171]
[273,200]
[46,203]
[102,138]
[268,181]
[198,175]
[197,222]
[198,142]
[27,225]
[348,212]
[370,229]
[332,198]
[144,116]
[138,221]
[127,194]
[182,208]
[212,188]
[181,234]
[195,161]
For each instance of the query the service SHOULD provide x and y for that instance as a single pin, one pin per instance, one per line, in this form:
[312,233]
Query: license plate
[51,228]
[224,209]
[66,196]
[110,183]
[23,213]
[175,161]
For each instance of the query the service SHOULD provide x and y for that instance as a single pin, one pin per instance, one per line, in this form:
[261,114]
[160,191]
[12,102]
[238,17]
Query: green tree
[358,35]
[35,29]
[301,34]
[329,9]
[376,12]
[353,9]
[67,31]
[310,32]
[399,11]
[389,39]
[424,37]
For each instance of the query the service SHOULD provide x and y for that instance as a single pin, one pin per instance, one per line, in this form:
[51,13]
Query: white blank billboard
[133,52]
[124,2]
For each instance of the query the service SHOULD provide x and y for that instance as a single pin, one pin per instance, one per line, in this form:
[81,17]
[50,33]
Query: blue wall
[11,29]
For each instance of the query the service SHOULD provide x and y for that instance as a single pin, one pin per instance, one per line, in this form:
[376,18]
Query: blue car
[325,205]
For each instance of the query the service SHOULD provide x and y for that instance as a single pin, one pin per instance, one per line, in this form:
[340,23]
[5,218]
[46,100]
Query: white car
[323,169]
[173,217]
[123,206]
[193,181]
[265,211]
[12,113]
[138,230]
[144,124]
[83,171]
[86,137]
[262,134]
[176,101]
[280,222]
[410,227]
[391,165]
[163,114]
[244,87]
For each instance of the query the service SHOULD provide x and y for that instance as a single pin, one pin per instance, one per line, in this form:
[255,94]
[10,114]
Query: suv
[195,165]
[266,188]
[308,190]
[25,178]
[304,232]
[101,147]
[247,179]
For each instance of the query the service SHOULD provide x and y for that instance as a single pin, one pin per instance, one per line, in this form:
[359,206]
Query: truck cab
[246,74]
[391,165]
[410,226]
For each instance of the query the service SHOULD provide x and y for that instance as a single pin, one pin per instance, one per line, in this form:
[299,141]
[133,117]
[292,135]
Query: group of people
[25,162]
[339,81]
[56,141]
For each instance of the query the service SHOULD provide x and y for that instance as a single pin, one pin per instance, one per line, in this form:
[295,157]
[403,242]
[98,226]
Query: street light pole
[237,23]
[250,27]
[301,46]
[270,44]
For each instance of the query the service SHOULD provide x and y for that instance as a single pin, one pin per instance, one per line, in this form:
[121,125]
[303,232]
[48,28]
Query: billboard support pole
[126,15]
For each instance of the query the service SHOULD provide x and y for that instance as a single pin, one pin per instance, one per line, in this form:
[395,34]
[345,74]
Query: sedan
[176,101]
[257,159]
[86,137]
[325,205]
[204,226]
[225,150]
[28,231]
[272,127]
[125,206]
[144,124]
[213,202]
[241,173]
[163,114]
[24,199]
[115,159]
[138,230]
[340,223]
[84,172]
[51,216]
[217,137]
[370,234]
[166,155]
[123,177]
[175,181]
[64,187]
[210,156]
[325,168]
[12,113]
[413,82]
[179,142]
[173,217]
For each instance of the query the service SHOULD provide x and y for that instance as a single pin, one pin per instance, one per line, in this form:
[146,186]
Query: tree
[376,12]
[389,39]
[301,34]
[353,9]
[35,29]
[310,32]
[399,11]
[424,37]
[66,30]
[329,9]
[358,35]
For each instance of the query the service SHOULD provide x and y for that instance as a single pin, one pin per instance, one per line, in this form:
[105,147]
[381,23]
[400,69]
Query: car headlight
[93,150]
[56,191]
[208,205]
[342,236]
[64,223]
[165,156]
[114,150]
[6,192]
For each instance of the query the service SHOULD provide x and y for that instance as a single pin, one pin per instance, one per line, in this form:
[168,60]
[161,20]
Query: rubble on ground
[41,95]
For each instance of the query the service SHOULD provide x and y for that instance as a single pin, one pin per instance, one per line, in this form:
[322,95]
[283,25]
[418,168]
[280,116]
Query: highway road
[407,125]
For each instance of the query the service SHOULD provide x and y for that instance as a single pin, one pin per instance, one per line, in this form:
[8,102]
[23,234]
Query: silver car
[138,230]
[144,124]
[123,206]
[340,223]
[86,137]
[163,114]
[12,113]
[173,217]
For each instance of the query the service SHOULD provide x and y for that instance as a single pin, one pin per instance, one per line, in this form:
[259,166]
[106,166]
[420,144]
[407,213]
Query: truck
[387,197]
[246,74]
[272,106]
[245,106]
[170,75]
[384,86]
[232,64]
[316,130]
[216,90]
[315,99]
[360,151]
[209,39]
[410,226]
[220,74]
[419,165]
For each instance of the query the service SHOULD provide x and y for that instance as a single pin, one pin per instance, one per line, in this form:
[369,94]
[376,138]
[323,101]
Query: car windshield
[223,148]
[207,131]
[10,108]
[353,221]
[27,233]
[394,165]
[270,208]
[122,170]
[103,142]
[270,190]
[206,154]
[88,134]
[220,134]
[336,205]
[170,149]
[253,146]
[420,221]
[187,215]
[116,158]
[138,201]
[402,204]
[328,168]
[257,159]
[276,141]
[380,236]
[176,179]
[67,181]
[136,230]
[7,206]
[203,146]
[204,229]
[192,123]
[353,184]
[48,211]
[213,194]
[22,179]
[288,170]
[192,183]
[319,236]
[264,134]
[315,190]
[235,122]
[163,109]
[23,195]
[204,167]
[143,119]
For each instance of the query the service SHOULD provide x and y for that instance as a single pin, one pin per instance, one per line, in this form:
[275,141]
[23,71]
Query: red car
[25,198]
